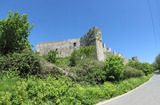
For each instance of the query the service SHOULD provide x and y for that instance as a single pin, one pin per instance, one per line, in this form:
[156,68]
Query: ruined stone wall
[107,52]
[126,60]
[64,48]
[104,47]
[92,38]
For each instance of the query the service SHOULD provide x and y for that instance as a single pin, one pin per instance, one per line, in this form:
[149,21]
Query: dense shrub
[114,68]
[32,91]
[145,67]
[136,65]
[90,70]
[50,69]
[53,71]
[51,56]
[132,72]
[82,53]
[155,65]
[24,63]
[63,61]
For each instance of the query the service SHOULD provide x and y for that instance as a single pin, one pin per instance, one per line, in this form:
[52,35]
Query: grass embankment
[49,91]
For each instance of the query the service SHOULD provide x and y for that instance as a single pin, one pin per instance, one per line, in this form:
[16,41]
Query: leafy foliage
[14,32]
[24,63]
[82,53]
[136,65]
[54,72]
[16,90]
[132,72]
[90,70]
[158,60]
[63,61]
[114,68]
[145,67]
[155,65]
[51,56]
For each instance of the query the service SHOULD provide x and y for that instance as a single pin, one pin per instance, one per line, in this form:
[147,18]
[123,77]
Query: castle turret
[136,59]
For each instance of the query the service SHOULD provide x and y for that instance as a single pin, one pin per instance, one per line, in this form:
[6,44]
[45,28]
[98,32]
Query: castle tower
[94,38]
[98,43]
[136,59]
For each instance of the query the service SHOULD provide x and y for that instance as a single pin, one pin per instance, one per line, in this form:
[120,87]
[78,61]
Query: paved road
[147,94]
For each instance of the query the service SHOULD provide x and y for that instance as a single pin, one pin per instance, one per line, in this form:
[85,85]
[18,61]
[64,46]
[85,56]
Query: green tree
[158,60]
[14,32]
[114,68]
[155,65]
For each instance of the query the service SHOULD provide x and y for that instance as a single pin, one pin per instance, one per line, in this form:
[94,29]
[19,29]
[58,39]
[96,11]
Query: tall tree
[158,61]
[14,32]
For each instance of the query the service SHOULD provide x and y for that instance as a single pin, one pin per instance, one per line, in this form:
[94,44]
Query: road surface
[147,94]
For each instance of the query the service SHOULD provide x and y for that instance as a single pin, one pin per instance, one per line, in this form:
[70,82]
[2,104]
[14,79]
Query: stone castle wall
[126,60]
[66,47]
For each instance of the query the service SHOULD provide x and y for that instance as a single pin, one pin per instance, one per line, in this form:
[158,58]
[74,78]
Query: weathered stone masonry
[66,47]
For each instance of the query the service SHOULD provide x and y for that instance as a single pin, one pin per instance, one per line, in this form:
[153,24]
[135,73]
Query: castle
[66,47]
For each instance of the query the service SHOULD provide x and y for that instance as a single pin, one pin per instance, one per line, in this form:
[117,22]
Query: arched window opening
[74,44]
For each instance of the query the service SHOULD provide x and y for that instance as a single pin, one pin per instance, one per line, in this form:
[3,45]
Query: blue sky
[126,24]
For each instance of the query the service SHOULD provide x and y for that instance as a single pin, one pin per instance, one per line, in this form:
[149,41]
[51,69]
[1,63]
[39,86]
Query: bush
[132,72]
[82,53]
[155,65]
[52,91]
[24,63]
[51,56]
[90,70]
[145,67]
[63,61]
[32,90]
[114,68]
[136,65]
